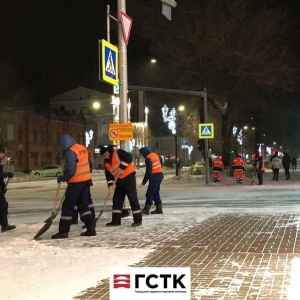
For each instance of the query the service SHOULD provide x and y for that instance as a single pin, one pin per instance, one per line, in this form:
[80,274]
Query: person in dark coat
[3,203]
[154,174]
[286,162]
[77,174]
[260,168]
[119,169]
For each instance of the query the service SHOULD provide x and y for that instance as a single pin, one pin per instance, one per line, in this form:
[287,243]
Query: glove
[10,174]
[60,179]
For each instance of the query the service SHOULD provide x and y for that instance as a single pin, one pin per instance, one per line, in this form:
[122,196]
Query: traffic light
[201,145]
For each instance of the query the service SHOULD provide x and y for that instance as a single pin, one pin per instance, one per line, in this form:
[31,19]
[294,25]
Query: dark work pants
[287,173]
[3,203]
[275,174]
[77,195]
[260,176]
[91,206]
[126,187]
[152,194]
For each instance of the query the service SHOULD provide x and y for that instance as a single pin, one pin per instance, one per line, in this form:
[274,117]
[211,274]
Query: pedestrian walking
[239,168]
[119,168]
[286,162]
[153,174]
[217,166]
[271,159]
[260,168]
[77,174]
[294,163]
[3,203]
[275,162]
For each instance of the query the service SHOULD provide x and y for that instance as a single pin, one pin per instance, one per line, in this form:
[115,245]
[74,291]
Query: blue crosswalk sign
[206,131]
[109,63]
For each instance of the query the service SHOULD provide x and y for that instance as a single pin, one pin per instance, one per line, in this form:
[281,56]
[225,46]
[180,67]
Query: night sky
[51,46]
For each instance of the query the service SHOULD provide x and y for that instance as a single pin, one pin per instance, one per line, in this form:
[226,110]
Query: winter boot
[158,209]
[4,223]
[7,228]
[146,209]
[60,235]
[116,220]
[125,213]
[90,229]
[137,219]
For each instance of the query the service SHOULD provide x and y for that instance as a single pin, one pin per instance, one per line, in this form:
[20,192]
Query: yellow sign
[109,63]
[206,131]
[120,132]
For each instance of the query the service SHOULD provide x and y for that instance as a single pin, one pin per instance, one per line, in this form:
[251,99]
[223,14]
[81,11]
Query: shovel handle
[55,198]
[7,181]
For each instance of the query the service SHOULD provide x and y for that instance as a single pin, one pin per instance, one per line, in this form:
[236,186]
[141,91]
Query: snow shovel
[106,199]
[253,177]
[6,184]
[49,220]
[55,213]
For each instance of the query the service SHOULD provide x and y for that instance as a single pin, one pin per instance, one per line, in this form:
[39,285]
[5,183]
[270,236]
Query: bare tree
[229,47]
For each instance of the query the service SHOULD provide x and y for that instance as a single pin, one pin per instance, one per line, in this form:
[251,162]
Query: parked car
[51,170]
[198,168]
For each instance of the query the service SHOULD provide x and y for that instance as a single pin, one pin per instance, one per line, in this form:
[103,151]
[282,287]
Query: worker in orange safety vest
[218,166]
[239,168]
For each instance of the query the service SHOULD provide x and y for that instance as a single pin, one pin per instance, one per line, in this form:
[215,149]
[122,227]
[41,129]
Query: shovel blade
[43,229]
[100,214]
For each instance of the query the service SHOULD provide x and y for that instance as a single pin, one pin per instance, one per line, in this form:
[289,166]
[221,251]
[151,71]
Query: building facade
[32,141]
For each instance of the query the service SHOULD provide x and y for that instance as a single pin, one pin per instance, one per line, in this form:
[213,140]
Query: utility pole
[123,72]
[204,94]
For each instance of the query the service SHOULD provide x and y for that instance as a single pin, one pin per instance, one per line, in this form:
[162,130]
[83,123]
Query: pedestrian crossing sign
[206,131]
[109,63]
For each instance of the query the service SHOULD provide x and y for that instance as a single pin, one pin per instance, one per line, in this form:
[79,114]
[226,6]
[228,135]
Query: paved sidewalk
[232,256]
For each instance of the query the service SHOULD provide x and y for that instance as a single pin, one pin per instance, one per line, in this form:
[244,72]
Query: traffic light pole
[202,94]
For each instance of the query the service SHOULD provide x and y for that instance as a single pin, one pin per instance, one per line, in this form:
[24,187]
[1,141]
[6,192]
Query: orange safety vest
[218,163]
[262,168]
[82,172]
[156,165]
[113,168]
[238,164]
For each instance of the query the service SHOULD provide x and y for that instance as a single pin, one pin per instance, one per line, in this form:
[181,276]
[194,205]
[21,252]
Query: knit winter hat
[145,151]
[106,148]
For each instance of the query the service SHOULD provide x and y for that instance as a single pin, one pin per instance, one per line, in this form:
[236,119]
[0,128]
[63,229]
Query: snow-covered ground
[60,269]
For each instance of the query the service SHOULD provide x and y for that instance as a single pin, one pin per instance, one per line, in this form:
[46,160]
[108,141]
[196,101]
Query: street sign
[120,131]
[109,63]
[116,89]
[126,22]
[184,143]
[206,131]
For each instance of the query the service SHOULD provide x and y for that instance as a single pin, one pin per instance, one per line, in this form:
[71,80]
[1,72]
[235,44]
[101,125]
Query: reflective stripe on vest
[114,167]
[156,165]
[83,171]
